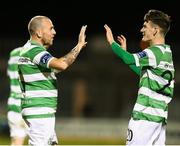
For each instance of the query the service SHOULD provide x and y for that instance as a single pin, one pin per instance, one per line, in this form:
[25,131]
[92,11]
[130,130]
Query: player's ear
[156,30]
[38,33]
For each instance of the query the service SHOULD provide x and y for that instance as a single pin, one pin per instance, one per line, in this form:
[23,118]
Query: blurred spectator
[81,100]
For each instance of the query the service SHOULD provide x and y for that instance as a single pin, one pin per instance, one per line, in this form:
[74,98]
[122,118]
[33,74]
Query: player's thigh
[41,130]
[162,137]
[17,125]
[142,132]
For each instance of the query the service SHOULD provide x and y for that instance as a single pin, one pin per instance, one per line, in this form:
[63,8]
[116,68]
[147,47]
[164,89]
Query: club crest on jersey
[142,54]
[45,58]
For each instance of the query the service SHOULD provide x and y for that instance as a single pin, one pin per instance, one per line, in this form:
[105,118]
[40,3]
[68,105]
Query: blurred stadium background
[97,93]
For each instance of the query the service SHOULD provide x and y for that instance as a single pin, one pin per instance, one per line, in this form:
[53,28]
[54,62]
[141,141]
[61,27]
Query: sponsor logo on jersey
[23,60]
[45,58]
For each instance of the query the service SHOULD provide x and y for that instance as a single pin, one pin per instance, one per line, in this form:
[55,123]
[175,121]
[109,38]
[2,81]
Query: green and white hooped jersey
[14,100]
[156,83]
[38,82]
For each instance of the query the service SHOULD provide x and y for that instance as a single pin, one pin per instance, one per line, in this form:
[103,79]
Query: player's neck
[157,41]
[36,40]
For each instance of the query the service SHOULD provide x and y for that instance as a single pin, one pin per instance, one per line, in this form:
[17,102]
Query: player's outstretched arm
[122,40]
[109,34]
[117,49]
[120,50]
[65,61]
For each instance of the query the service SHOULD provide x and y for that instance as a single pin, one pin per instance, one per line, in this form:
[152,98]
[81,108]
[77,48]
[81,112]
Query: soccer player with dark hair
[154,65]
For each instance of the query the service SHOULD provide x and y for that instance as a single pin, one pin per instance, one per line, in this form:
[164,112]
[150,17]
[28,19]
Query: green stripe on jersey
[39,85]
[15,52]
[149,102]
[13,67]
[142,116]
[39,102]
[39,116]
[14,82]
[32,69]
[15,95]
[14,108]
[157,53]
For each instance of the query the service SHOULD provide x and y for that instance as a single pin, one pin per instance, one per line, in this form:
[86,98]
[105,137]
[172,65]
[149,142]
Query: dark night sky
[68,16]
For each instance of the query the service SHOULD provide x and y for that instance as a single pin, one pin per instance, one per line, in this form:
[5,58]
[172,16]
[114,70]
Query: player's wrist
[80,46]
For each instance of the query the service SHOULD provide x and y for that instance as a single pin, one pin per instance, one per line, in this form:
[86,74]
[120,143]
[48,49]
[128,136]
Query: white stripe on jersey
[154,95]
[164,48]
[37,110]
[158,79]
[37,58]
[168,49]
[16,89]
[49,62]
[150,110]
[39,77]
[165,65]
[41,93]
[13,60]
[13,101]
[15,117]
[13,74]
[136,59]
[151,58]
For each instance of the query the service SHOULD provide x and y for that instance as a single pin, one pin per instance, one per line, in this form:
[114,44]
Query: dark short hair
[159,18]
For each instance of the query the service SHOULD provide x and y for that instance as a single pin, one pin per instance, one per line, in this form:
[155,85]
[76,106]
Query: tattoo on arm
[72,55]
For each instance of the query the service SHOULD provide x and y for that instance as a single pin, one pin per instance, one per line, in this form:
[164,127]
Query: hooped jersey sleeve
[40,57]
[148,57]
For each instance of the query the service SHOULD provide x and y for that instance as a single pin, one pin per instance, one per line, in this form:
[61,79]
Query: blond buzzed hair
[35,23]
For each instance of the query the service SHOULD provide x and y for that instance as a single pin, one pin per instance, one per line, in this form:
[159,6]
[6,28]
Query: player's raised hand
[109,34]
[82,36]
[122,40]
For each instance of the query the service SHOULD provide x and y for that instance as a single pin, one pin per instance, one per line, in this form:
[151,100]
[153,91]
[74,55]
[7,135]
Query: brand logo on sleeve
[142,54]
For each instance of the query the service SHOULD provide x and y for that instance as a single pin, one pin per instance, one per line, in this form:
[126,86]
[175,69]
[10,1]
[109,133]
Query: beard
[47,43]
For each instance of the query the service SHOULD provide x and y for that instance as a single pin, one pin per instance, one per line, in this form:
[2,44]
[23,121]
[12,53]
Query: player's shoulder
[153,47]
[157,49]
[32,44]
[161,48]
[31,48]
[15,51]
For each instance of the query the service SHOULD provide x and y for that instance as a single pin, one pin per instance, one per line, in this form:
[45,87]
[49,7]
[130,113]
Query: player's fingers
[84,28]
[106,27]
[122,36]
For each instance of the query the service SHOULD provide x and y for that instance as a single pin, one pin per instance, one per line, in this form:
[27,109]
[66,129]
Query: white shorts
[141,132]
[42,131]
[17,125]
